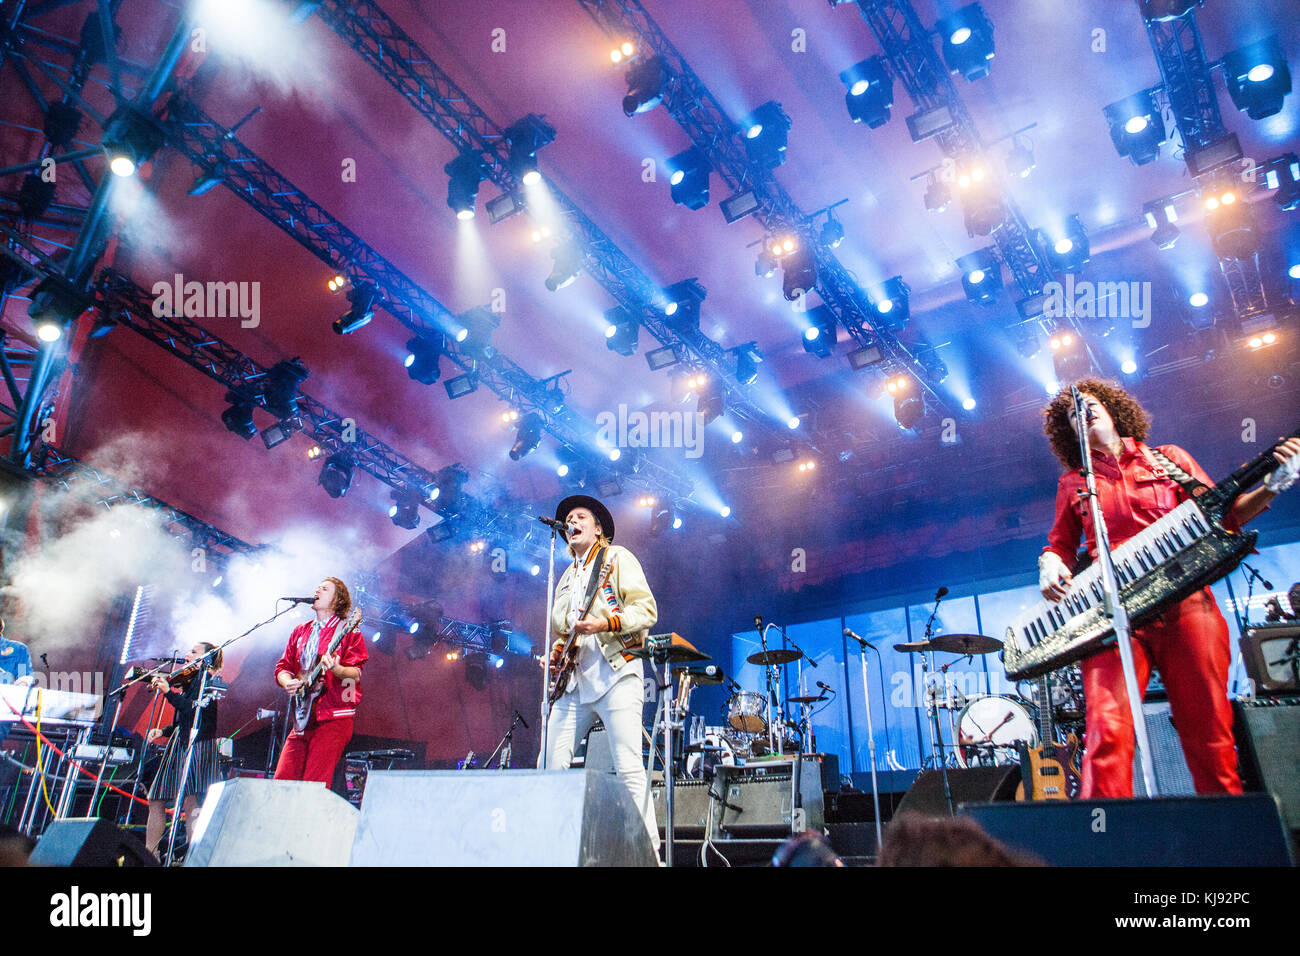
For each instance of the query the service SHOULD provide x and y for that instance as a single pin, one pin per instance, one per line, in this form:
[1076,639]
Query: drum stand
[660,651]
[936,732]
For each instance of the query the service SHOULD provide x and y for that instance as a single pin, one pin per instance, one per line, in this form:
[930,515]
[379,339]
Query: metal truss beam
[697,111]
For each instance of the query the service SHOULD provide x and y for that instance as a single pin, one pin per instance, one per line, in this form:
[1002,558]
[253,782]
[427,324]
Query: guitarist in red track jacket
[313,753]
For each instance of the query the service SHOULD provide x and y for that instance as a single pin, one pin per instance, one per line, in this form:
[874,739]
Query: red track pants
[315,754]
[1188,644]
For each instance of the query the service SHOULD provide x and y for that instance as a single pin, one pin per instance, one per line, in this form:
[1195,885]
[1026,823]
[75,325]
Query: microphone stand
[546,655]
[1112,605]
[935,730]
[503,748]
[871,735]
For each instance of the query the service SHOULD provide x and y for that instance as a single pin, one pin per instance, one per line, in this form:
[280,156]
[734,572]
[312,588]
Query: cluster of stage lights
[909,406]
[807,465]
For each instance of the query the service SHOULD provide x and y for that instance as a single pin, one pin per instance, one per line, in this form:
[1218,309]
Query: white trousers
[619,708]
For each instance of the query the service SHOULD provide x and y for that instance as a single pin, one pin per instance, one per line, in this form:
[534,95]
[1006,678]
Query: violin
[183,676]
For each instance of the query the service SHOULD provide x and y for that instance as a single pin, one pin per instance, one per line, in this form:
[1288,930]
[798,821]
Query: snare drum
[989,729]
[747,713]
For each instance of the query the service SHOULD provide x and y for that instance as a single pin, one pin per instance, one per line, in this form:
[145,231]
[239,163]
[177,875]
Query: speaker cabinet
[89,841]
[967,785]
[250,822]
[1268,747]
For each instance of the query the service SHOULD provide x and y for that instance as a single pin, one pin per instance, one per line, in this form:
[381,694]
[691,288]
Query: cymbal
[965,644]
[681,650]
[773,658]
[915,647]
[806,700]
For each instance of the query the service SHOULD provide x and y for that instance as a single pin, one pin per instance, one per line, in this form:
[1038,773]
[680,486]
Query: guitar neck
[1252,472]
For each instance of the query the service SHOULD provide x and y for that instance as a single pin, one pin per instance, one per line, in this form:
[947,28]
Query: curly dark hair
[1131,419]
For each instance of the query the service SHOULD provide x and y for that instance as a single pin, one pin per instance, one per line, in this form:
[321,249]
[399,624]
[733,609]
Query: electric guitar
[313,679]
[1047,771]
[569,652]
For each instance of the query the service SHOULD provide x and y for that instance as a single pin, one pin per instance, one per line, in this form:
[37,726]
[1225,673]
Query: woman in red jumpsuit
[1188,642]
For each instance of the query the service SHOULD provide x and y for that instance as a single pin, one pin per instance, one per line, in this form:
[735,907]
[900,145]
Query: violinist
[182,692]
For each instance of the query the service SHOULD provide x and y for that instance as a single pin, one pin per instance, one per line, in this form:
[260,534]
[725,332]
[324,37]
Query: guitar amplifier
[1271,655]
[1172,776]
[1268,746]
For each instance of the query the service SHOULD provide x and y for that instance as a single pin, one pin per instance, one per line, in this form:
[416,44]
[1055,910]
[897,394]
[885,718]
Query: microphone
[300,600]
[848,632]
[940,594]
[520,717]
[558,526]
[758,623]
[825,687]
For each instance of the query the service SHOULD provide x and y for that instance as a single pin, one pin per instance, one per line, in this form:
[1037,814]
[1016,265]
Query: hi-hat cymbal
[965,644]
[773,658]
[914,648]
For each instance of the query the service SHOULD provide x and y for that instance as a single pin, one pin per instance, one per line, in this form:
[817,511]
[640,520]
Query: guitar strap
[594,581]
[1190,484]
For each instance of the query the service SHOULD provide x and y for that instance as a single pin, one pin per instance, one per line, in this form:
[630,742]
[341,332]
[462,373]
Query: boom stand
[659,652]
[871,742]
[1113,606]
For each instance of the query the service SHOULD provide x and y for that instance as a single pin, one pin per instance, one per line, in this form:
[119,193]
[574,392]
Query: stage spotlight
[55,306]
[891,302]
[662,358]
[528,437]
[461,385]
[737,437]
[238,418]
[1198,300]
[1282,175]
[131,137]
[336,474]
[464,173]
[62,120]
[34,197]
[724,511]
[682,302]
[968,404]
[1161,216]
[608,486]
[1129,367]
[570,465]
[525,137]
[448,484]
[280,392]
[476,669]
[982,209]
[477,326]
[647,80]
[1136,127]
[405,512]
[1257,77]
[819,335]
[552,399]
[748,359]
[1232,227]
[792,422]
[711,401]
[1069,249]
[567,268]
[422,360]
[766,264]
[967,41]
[765,132]
[799,274]
[936,370]
[688,178]
[663,518]
[938,194]
[870,94]
[621,331]
[832,232]
[1070,358]
[625,50]
[362,298]
[1020,159]
[909,408]
[981,276]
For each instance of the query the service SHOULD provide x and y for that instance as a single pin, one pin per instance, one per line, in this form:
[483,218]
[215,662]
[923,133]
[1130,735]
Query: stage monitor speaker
[89,841]
[1268,746]
[250,822]
[967,784]
[1221,830]
[499,818]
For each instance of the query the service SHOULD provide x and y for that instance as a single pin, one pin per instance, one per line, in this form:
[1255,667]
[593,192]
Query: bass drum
[713,752]
[989,729]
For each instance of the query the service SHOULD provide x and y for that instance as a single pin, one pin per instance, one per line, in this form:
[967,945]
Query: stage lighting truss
[528,437]
[1258,78]
[688,178]
[870,92]
[1069,249]
[464,173]
[765,132]
[820,332]
[621,331]
[422,360]
[1137,127]
[891,301]
[981,276]
[362,299]
[967,37]
[525,137]
[1161,215]
[647,82]
[405,510]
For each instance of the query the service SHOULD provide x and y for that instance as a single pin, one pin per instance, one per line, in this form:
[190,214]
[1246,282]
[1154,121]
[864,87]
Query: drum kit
[987,730]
